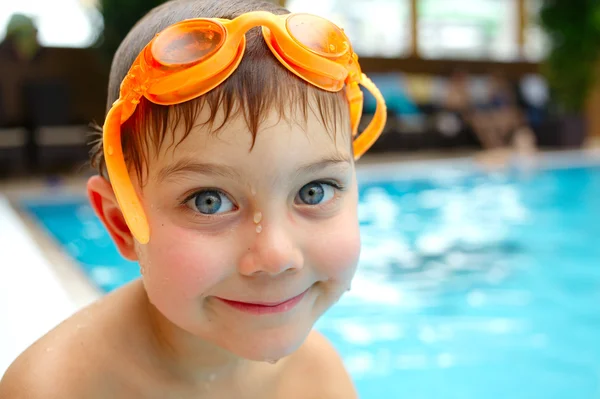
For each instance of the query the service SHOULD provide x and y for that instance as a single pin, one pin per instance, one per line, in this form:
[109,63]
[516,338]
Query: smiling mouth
[260,308]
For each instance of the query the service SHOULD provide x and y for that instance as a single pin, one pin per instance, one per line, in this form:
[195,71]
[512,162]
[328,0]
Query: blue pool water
[469,286]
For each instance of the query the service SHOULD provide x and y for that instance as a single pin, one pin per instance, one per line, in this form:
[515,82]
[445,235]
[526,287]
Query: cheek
[335,252]
[181,264]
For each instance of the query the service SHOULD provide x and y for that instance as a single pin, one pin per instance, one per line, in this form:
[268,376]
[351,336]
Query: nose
[274,252]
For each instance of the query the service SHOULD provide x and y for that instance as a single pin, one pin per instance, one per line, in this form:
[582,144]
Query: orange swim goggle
[194,56]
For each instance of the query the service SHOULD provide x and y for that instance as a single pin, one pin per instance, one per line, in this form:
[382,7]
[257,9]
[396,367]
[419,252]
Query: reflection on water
[426,238]
[469,286]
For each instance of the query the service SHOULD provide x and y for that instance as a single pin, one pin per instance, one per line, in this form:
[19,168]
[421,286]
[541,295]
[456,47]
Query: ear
[104,202]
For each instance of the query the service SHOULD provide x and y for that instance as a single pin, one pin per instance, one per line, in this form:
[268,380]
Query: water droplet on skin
[212,377]
[110,150]
[271,361]
[50,349]
[349,288]
[258,228]
[257,217]
[253,191]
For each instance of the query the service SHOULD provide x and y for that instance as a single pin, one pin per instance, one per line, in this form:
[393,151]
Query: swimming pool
[469,285]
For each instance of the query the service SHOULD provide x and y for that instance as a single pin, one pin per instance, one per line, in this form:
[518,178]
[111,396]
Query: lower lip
[265,309]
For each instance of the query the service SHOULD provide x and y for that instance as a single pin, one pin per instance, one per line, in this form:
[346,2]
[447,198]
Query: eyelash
[338,187]
[335,184]
[188,197]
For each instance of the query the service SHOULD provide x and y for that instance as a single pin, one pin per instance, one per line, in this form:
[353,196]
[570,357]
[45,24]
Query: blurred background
[479,205]
[456,74]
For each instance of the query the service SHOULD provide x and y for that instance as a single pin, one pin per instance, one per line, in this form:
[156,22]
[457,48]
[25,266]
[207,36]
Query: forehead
[280,142]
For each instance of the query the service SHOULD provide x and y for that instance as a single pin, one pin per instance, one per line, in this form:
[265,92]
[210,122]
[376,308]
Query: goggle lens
[188,44]
[318,35]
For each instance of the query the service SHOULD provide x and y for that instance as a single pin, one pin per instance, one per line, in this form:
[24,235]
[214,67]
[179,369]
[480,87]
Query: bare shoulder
[75,359]
[316,371]
[45,371]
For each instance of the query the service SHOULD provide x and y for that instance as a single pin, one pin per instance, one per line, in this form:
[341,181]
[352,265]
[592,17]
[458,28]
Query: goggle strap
[372,132]
[126,196]
[355,102]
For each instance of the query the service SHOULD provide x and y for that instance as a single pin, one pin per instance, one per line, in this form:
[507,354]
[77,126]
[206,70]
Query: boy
[234,188]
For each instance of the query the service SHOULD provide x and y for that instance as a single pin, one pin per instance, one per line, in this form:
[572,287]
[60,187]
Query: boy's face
[234,229]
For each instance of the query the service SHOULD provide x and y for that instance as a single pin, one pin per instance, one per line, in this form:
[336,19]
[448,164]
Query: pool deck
[32,300]
[40,285]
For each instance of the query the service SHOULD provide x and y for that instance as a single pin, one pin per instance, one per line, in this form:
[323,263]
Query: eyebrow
[332,160]
[187,165]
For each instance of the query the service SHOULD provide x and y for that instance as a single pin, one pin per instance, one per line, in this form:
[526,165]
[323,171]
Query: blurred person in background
[21,41]
[501,126]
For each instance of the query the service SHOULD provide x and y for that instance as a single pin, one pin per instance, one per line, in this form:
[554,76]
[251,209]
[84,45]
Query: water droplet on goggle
[332,47]
[110,150]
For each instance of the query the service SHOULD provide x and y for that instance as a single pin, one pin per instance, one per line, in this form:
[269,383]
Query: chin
[269,345]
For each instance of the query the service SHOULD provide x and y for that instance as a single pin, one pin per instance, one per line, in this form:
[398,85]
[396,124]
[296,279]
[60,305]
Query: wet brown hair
[258,86]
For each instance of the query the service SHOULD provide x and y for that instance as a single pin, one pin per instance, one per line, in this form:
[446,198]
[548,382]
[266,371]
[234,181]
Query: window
[60,23]
[468,29]
[376,28]
[537,43]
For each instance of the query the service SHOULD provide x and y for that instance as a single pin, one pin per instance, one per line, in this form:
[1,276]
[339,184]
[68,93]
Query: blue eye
[315,193]
[210,202]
